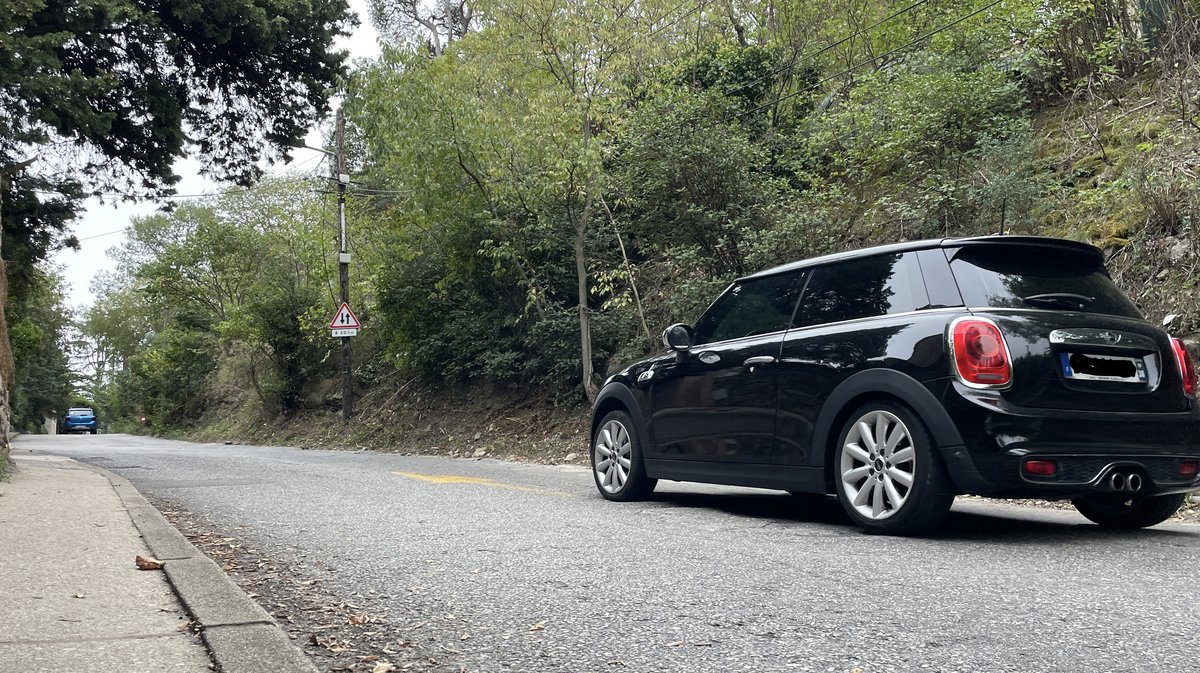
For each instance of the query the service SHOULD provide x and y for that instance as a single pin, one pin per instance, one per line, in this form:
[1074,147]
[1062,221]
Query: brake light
[1189,468]
[1186,370]
[980,354]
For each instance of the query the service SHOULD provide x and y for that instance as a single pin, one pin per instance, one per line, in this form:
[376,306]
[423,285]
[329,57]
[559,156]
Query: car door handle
[759,360]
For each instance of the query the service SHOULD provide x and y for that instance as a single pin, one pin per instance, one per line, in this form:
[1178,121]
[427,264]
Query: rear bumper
[1088,449]
[80,427]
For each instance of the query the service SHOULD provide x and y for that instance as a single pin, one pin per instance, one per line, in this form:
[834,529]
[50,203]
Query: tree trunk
[585,319]
[637,298]
[7,366]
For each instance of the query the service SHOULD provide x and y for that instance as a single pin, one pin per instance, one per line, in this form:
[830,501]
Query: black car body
[997,366]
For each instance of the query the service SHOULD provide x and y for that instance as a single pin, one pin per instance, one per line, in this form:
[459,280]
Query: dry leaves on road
[147,563]
[540,626]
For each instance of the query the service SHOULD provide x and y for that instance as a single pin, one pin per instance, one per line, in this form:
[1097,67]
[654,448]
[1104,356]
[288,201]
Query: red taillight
[980,353]
[1189,468]
[1041,468]
[1186,370]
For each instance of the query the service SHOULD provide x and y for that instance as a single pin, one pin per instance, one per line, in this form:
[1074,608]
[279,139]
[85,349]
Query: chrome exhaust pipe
[1117,481]
[1134,483]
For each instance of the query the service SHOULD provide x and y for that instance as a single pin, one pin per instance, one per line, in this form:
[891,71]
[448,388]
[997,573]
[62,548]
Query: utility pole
[343,262]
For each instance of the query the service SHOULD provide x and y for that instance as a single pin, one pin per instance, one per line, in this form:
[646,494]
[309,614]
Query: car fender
[890,383]
[618,393]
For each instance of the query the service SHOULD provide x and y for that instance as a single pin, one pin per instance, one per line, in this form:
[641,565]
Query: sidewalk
[72,599]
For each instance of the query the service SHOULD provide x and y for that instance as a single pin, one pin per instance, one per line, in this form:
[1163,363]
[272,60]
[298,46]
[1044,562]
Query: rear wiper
[1065,300]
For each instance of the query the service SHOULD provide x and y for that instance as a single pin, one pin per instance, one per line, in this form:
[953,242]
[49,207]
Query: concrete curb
[241,637]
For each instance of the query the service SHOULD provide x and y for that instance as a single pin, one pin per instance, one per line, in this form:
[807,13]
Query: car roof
[1045,242]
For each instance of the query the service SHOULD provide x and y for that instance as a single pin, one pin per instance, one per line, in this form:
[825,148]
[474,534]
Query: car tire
[871,479]
[1114,511]
[616,459]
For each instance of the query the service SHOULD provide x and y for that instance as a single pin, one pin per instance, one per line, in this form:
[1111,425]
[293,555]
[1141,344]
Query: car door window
[862,288]
[750,307]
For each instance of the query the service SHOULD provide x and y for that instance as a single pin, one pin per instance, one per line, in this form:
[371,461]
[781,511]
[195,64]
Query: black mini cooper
[900,376]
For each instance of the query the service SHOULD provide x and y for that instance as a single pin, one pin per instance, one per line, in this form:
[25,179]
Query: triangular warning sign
[344,318]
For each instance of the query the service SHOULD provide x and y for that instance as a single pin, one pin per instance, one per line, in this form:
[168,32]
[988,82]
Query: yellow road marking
[480,481]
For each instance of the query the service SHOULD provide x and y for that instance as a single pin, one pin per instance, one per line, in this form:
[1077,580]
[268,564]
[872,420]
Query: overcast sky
[102,225]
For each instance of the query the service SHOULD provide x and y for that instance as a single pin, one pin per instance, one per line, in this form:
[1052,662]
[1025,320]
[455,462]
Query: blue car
[81,419]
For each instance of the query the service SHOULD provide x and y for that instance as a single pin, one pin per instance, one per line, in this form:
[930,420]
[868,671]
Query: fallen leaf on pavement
[677,643]
[148,563]
[79,596]
[540,626]
[357,620]
[383,667]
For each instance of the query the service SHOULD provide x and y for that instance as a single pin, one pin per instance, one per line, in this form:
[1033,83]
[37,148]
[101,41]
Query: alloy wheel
[878,465]
[614,456]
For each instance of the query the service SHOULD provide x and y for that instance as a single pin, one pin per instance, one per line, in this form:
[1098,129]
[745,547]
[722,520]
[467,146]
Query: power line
[107,233]
[665,26]
[834,45]
[198,195]
[366,191]
[856,66]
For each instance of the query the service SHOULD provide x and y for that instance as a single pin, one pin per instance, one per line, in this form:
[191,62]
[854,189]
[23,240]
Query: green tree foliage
[101,97]
[728,138]
[131,85]
[105,95]
[38,330]
[539,187]
[239,279]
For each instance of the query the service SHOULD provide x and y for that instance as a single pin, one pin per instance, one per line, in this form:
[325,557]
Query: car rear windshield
[1023,277]
[79,412]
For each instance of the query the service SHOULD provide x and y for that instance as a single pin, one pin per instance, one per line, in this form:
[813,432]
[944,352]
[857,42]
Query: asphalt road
[541,574]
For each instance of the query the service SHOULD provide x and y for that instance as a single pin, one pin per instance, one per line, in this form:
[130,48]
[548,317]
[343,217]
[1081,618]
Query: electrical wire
[107,233]
[833,45]
[861,64]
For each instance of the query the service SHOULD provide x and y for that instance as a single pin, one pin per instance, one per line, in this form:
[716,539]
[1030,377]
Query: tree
[433,25]
[119,89]
[240,274]
[38,325]
[103,96]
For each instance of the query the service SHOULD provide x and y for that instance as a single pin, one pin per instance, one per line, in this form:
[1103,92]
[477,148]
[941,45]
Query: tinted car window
[1023,278]
[862,288]
[756,306]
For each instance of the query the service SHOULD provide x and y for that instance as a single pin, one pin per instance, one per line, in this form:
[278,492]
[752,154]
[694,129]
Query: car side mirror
[678,337]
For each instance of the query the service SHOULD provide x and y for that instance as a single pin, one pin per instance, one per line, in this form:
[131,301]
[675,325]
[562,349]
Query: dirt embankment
[404,418]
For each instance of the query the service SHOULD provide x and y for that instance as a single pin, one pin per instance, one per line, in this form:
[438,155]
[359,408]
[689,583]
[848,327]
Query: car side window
[862,288]
[750,307]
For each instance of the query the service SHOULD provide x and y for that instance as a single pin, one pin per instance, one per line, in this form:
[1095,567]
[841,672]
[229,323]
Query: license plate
[1086,367]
